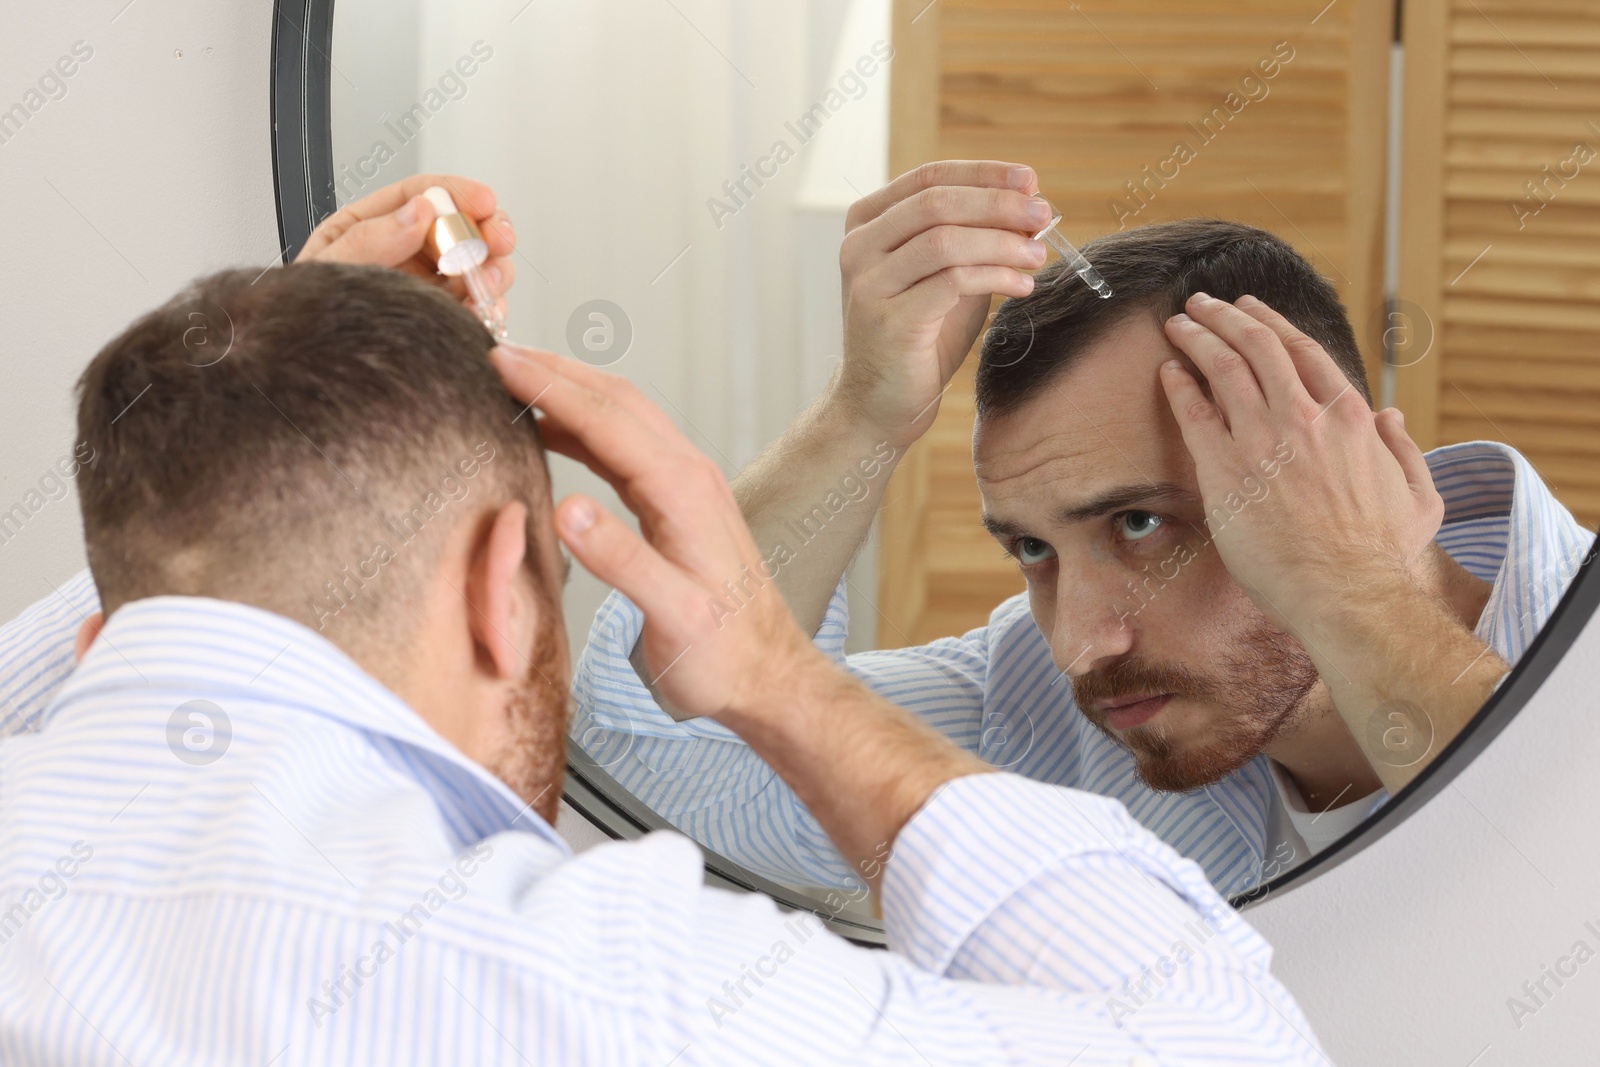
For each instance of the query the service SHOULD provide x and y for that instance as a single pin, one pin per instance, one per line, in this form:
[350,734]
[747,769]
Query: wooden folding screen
[1272,112]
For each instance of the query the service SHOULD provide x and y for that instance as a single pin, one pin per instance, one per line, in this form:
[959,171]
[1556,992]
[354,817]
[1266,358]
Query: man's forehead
[1104,420]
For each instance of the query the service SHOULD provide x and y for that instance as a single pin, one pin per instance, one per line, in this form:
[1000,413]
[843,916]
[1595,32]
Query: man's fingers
[682,501]
[1005,210]
[1391,426]
[498,234]
[616,555]
[386,241]
[559,440]
[1318,372]
[945,247]
[1234,389]
[1258,343]
[1204,432]
[614,387]
[562,442]
[984,172]
[932,297]
[474,198]
[388,228]
[623,445]
[501,274]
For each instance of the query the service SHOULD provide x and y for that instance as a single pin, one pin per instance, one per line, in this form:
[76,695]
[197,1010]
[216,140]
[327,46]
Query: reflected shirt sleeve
[704,780]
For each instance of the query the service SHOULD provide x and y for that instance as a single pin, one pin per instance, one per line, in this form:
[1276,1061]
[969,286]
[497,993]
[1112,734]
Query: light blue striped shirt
[995,692]
[222,843]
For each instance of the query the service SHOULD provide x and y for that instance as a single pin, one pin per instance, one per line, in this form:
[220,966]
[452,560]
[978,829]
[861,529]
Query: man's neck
[1319,753]
[1322,757]
[1465,594]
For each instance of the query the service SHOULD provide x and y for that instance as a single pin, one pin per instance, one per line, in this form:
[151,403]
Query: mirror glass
[679,176]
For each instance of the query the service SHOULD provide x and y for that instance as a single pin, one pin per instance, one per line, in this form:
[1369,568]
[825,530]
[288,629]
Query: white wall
[154,167]
[1409,951]
[1404,955]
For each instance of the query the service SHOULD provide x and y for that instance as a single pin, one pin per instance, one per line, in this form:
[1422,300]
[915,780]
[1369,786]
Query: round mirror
[680,178]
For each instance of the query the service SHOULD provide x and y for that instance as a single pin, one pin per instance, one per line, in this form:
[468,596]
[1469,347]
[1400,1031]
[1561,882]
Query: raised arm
[860,764]
[1053,904]
[1340,552]
[920,260]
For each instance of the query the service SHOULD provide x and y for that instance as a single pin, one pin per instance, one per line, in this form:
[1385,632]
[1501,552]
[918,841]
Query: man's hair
[300,440]
[1153,270]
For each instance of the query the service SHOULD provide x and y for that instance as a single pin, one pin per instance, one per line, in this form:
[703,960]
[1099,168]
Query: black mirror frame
[302,119]
[303,172]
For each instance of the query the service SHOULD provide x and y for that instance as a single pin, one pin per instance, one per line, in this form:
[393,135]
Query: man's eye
[1031,550]
[1136,525]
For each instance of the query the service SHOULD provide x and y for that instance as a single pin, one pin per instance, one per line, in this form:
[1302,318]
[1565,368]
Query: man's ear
[503,612]
[87,633]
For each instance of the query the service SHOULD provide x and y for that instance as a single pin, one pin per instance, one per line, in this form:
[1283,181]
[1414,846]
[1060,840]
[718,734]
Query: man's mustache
[1130,677]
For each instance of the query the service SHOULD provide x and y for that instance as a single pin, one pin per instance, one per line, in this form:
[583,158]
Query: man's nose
[1096,622]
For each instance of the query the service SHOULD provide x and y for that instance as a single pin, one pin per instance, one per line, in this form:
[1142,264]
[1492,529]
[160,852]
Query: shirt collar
[1478,479]
[1503,524]
[216,648]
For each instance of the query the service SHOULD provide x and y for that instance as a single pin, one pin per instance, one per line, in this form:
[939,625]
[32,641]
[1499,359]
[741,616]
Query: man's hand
[1324,512]
[718,639]
[712,652]
[920,260]
[1324,493]
[919,264]
[388,228]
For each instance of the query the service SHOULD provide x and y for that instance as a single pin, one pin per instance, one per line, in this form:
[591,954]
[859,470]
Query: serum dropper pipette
[1051,236]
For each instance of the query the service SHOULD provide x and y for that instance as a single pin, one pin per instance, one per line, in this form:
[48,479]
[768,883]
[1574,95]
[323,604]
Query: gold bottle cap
[453,240]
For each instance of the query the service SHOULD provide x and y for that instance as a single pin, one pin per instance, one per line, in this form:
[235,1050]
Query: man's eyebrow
[1123,497]
[1112,500]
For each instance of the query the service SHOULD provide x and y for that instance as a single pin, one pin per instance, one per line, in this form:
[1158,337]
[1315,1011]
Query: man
[387,228]
[252,828]
[1312,607]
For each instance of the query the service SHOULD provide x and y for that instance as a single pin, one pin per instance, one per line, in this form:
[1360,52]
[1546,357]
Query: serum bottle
[460,251]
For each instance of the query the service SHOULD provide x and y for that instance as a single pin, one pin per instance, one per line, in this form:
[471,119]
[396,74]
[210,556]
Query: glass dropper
[1051,236]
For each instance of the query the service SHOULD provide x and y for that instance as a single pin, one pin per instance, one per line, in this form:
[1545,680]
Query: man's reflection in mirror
[1255,608]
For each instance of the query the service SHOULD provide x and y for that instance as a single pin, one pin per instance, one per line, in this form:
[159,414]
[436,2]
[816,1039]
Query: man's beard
[533,762]
[1260,686]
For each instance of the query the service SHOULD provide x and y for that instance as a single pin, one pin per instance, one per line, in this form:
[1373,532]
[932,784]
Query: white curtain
[609,129]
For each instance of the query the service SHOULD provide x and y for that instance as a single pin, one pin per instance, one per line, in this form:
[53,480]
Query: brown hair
[291,440]
[1153,270]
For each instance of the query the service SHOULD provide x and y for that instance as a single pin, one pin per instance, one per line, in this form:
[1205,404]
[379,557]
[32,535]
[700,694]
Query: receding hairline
[1156,268]
[1147,308]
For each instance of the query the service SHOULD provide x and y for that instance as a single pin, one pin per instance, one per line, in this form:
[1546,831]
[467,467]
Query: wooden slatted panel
[1091,94]
[1497,91]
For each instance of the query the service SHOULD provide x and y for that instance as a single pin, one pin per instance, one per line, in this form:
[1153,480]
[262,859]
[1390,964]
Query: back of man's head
[1152,271]
[301,440]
